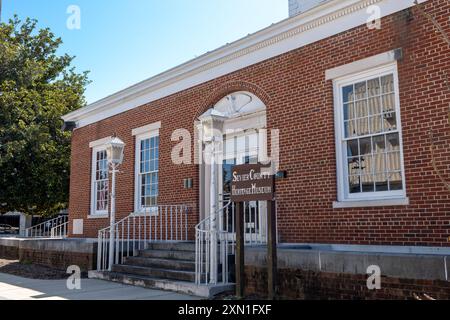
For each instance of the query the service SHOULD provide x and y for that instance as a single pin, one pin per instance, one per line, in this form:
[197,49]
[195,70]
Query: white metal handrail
[165,223]
[60,231]
[211,244]
[215,241]
[44,229]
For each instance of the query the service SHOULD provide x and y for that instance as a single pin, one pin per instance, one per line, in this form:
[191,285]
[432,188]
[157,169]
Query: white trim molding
[325,20]
[146,129]
[98,216]
[371,203]
[99,143]
[364,64]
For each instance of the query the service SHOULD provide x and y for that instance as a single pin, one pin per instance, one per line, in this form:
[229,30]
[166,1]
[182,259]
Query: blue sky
[123,42]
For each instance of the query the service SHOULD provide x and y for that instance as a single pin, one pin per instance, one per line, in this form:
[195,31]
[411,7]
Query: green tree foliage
[37,87]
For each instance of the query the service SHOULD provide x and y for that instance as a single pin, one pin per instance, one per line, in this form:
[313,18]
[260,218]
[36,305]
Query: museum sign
[252,182]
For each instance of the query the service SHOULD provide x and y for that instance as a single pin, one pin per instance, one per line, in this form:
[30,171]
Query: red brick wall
[308,285]
[11,253]
[56,259]
[59,260]
[300,104]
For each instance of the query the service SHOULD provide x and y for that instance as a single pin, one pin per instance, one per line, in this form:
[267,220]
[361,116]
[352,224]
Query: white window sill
[371,203]
[98,216]
[146,213]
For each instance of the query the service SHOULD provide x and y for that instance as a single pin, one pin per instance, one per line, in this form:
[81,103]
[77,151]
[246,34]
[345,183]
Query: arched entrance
[232,132]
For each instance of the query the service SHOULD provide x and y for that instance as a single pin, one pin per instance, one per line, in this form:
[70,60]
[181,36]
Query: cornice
[291,33]
[287,29]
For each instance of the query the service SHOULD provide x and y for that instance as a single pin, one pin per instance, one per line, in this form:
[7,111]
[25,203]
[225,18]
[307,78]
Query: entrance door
[255,212]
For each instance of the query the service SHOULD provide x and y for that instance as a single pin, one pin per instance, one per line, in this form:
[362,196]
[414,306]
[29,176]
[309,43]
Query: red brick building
[353,103]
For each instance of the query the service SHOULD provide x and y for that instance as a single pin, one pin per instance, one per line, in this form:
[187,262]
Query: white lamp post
[114,152]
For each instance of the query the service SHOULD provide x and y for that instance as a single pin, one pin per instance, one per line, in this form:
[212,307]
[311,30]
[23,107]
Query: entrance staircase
[163,265]
[152,249]
[173,261]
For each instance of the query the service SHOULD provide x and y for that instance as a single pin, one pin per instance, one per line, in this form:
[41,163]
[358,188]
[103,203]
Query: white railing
[60,231]
[212,242]
[166,223]
[44,229]
[215,241]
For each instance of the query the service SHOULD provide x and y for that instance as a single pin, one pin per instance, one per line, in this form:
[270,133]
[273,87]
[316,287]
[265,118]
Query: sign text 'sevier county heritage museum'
[343,107]
[252,183]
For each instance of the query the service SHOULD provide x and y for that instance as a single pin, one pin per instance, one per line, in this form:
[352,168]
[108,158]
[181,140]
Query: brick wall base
[59,260]
[10,253]
[55,254]
[309,285]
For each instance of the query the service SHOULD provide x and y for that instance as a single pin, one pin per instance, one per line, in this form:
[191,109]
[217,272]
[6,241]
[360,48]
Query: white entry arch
[231,132]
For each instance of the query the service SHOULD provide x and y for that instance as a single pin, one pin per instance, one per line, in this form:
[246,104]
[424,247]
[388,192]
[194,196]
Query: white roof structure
[322,21]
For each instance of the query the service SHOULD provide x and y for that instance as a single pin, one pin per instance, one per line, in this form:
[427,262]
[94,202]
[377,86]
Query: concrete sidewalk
[17,288]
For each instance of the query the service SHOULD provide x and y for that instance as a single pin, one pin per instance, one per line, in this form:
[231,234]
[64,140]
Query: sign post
[240,243]
[272,249]
[254,183]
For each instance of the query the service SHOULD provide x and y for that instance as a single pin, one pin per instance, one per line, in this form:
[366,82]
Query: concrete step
[155,273]
[171,255]
[163,284]
[172,246]
[171,264]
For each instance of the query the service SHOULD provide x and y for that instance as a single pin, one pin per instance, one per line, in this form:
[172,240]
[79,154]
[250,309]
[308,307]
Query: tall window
[370,143]
[148,167]
[100,183]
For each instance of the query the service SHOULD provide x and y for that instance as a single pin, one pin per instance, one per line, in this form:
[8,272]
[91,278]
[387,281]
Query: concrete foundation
[304,271]
[56,253]
[307,273]
[189,288]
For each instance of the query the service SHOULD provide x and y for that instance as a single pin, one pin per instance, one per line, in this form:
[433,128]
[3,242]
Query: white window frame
[345,199]
[97,147]
[144,133]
